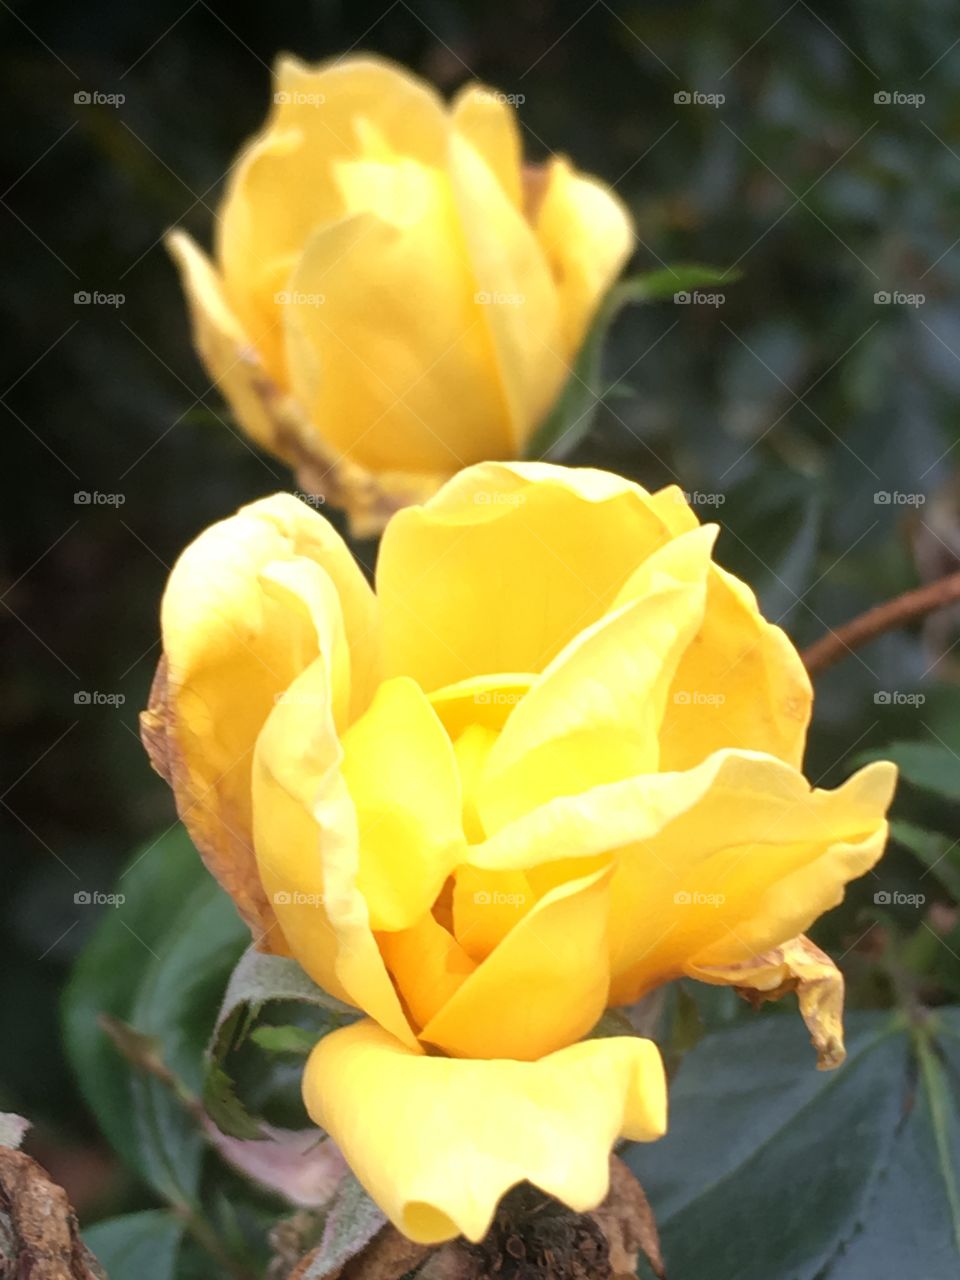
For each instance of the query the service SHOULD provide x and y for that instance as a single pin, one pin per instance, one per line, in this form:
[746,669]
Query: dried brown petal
[798,965]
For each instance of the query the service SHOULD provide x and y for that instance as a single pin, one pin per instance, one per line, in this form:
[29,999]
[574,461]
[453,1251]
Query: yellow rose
[552,763]
[394,295]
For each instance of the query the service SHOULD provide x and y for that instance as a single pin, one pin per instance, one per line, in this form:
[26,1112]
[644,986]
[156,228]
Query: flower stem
[836,644]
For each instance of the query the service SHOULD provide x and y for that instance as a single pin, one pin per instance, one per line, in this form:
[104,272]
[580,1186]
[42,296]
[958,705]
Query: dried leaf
[299,1164]
[12,1129]
[39,1238]
[627,1220]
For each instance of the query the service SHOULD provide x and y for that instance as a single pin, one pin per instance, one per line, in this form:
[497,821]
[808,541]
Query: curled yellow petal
[308,851]
[594,714]
[798,965]
[544,986]
[438,1141]
[247,607]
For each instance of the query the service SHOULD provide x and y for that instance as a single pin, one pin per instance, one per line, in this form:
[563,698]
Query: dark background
[796,401]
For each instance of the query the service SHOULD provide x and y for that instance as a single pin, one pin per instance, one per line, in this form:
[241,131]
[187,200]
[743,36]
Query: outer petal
[749,866]
[252,380]
[515,292]
[506,565]
[438,1141]
[485,119]
[543,987]
[721,863]
[308,851]
[586,235]
[327,100]
[383,334]
[258,237]
[231,353]
[740,684]
[248,605]
[334,112]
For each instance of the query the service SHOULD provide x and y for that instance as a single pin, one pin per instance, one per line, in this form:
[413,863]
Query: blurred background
[810,403]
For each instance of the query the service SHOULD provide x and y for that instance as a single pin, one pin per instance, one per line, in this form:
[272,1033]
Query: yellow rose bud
[393,295]
[552,763]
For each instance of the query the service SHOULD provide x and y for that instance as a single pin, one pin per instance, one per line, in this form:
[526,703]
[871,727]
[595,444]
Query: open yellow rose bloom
[381,256]
[550,764]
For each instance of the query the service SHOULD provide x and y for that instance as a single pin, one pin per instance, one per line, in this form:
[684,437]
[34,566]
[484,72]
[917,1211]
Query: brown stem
[883,617]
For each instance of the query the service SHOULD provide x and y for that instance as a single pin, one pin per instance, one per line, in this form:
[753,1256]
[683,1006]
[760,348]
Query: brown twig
[881,618]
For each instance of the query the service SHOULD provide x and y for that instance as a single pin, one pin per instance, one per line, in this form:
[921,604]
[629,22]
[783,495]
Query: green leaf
[939,853]
[225,1109]
[572,416]
[137,1246]
[662,285]
[927,765]
[771,1169]
[158,962]
[257,981]
[259,978]
[297,1040]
